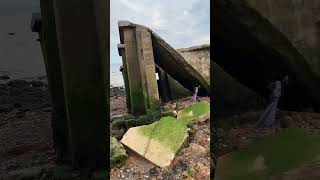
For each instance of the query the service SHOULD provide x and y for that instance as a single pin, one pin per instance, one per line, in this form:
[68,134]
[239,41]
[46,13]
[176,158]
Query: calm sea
[116,78]
[20,53]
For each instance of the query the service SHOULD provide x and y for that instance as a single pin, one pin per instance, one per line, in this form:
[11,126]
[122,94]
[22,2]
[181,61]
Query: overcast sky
[181,23]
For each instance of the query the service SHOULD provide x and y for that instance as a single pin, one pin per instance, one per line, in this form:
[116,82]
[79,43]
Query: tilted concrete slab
[158,151]
[177,67]
[160,141]
[271,157]
[171,61]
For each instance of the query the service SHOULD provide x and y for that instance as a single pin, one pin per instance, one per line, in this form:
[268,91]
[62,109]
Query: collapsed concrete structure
[144,54]
[280,37]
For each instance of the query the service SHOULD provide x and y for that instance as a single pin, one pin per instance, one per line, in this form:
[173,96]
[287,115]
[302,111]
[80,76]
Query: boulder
[117,153]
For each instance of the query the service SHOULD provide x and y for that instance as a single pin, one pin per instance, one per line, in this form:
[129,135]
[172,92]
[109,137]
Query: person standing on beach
[194,97]
[267,118]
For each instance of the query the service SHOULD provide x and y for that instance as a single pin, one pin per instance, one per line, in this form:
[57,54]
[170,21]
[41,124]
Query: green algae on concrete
[160,141]
[169,131]
[195,110]
[270,157]
[117,152]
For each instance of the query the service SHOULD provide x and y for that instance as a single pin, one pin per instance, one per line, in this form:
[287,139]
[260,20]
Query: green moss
[195,110]
[172,132]
[169,131]
[168,113]
[280,153]
[154,104]
[137,106]
[117,153]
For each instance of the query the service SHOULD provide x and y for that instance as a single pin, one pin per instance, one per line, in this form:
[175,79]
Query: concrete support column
[128,38]
[164,85]
[147,64]
[46,28]
[83,46]
[125,75]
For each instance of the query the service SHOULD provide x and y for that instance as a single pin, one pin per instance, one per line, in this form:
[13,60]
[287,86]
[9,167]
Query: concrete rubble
[160,141]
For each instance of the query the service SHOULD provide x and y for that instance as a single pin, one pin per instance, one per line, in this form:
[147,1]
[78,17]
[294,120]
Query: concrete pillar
[121,52]
[128,38]
[148,72]
[164,85]
[45,26]
[82,33]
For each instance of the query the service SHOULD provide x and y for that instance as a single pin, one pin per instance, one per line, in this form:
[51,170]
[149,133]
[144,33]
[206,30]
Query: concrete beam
[124,70]
[52,61]
[147,64]
[82,38]
[133,69]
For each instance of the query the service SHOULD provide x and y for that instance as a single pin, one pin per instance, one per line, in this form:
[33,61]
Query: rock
[117,153]
[287,122]
[155,171]
[4,77]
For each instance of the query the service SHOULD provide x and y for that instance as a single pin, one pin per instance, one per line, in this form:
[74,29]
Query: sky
[181,23]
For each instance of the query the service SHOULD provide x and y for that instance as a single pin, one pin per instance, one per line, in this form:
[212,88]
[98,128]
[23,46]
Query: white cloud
[182,23]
